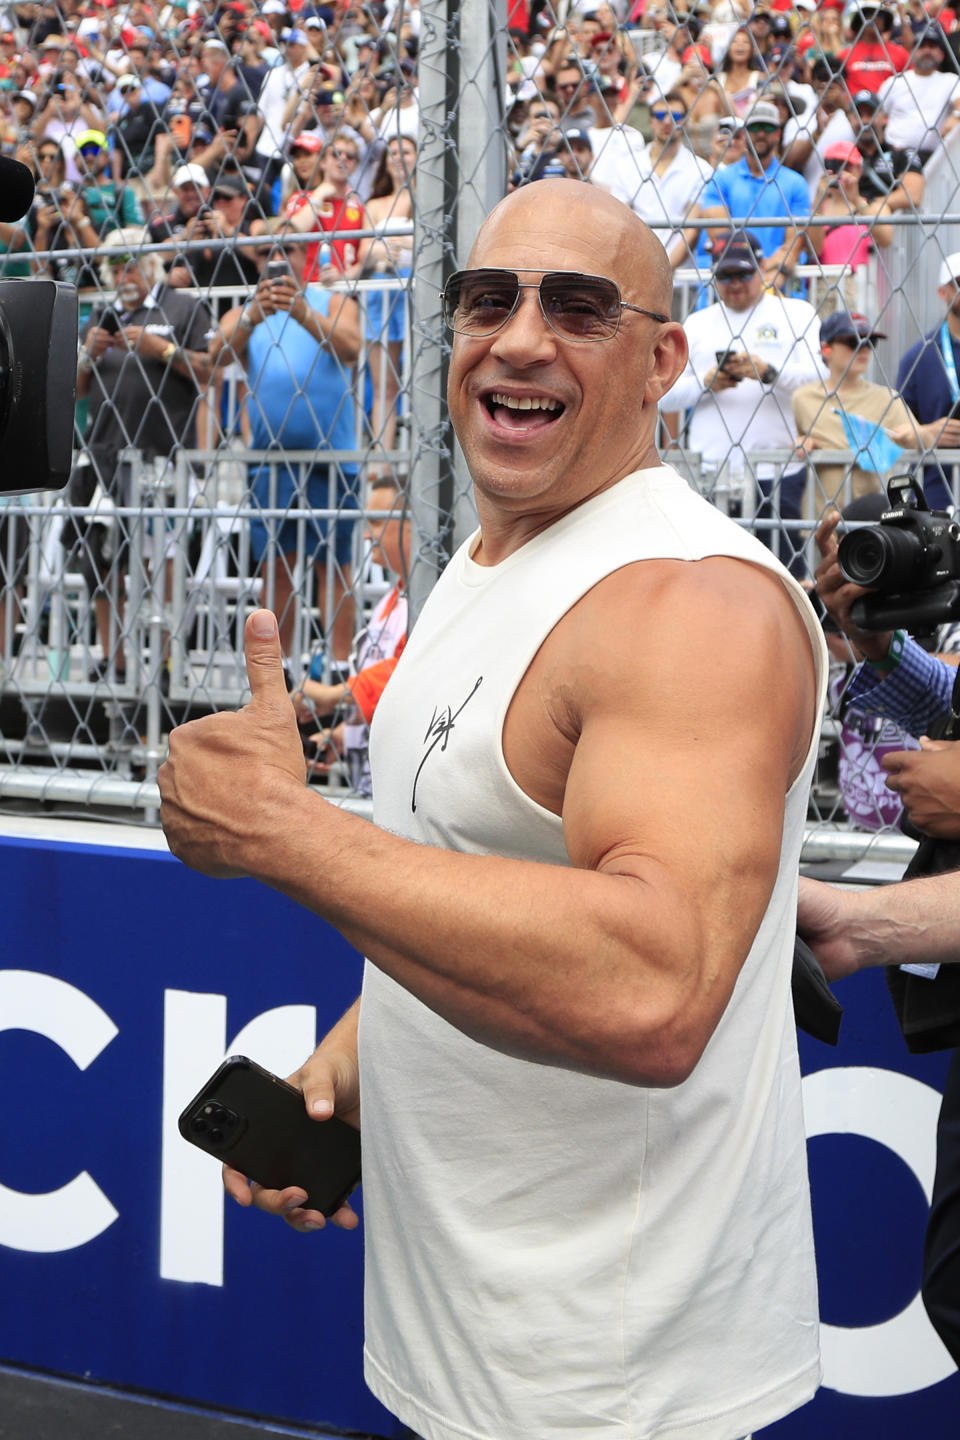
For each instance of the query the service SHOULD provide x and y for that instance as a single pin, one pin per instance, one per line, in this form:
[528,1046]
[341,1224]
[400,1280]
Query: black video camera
[911,559]
[38,367]
[38,363]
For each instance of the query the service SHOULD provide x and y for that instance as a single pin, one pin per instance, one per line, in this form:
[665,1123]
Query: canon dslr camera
[911,560]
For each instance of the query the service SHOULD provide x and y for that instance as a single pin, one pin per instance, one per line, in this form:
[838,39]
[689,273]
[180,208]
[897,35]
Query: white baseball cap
[950,269]
[191,175]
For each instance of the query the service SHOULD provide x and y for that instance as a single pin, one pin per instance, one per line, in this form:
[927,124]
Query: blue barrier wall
[124,978]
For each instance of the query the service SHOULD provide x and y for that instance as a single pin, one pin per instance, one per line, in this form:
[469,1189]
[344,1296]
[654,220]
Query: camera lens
[198,1125]
[881,556]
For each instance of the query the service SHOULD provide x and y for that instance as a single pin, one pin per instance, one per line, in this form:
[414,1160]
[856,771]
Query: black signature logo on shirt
[439,730]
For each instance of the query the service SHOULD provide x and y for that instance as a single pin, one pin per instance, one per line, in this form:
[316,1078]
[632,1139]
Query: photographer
[896,677]
[143,363]
[229,214]
[915,922]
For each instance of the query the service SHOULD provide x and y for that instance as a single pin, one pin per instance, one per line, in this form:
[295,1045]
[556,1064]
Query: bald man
[585,1184]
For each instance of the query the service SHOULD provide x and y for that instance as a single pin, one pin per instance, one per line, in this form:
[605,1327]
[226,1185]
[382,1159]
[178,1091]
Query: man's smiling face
[545,422]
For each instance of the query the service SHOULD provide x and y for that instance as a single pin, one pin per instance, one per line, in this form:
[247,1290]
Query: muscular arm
[672,813]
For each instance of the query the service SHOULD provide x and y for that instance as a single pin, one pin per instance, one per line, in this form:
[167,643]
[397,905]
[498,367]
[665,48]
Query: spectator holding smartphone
[297,344]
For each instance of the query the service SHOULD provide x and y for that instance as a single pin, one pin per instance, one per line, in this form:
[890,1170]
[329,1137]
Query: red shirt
[867,63]
[335,214]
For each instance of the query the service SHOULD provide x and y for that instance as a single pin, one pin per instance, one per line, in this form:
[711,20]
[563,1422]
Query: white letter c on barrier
[79,1211]
[905,1353]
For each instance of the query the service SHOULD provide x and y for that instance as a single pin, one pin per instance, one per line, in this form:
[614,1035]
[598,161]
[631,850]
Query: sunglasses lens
[478,302]
[578,307]
[581,307]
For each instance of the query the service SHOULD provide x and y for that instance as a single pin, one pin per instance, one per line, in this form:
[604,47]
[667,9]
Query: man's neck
[758,166]
[953,324]
[660,148]
[845,383]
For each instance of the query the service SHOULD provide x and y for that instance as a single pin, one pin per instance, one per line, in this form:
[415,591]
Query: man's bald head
[626,249]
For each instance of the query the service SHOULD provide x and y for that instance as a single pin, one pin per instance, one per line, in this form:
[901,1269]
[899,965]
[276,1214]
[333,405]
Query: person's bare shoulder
[670,640]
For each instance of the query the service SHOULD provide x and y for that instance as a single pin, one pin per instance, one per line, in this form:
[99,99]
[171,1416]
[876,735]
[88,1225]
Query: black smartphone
[110,321]
[276,269]
[954,413]
[258,1123]
[724,357]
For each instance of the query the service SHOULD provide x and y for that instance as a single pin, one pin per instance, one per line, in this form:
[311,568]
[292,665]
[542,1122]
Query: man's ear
[667,362]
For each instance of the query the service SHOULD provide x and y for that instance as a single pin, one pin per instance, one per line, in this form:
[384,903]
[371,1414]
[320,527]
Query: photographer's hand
[838,594]
[928,782]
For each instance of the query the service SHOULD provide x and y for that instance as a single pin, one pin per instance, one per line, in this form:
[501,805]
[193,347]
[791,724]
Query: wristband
[245,322]
[84,361]
[168,353]
[894,655]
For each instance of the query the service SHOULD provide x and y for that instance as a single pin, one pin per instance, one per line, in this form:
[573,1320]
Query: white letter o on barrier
[79,1211]
[904,1353]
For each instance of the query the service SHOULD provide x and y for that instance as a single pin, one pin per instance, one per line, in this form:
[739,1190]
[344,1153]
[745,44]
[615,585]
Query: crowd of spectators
[219,141]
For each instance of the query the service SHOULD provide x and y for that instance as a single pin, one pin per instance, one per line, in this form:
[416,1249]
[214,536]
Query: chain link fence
[260,206]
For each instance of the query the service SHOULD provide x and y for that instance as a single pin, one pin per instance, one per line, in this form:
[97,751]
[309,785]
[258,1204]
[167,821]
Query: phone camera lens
[199,1125]
[216,1134]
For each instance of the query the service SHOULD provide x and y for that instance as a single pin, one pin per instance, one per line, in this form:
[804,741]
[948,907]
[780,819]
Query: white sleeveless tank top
[551,1254]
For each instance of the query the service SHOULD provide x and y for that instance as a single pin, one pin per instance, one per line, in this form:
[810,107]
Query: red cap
[844,151]
[694,52]
[307,140]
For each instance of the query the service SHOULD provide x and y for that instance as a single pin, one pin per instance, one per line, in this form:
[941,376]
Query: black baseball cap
[228,186]
[737,250]
[848,325]
[866,98]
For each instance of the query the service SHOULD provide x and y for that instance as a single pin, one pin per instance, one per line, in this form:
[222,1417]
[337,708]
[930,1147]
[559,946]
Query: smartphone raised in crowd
[258,1123]
[276,269]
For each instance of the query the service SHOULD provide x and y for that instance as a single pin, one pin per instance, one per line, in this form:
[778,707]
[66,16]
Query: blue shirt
[301,395]
[916,693]
[778,192]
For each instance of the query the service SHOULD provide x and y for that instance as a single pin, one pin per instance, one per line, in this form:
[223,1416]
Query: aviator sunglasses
[577,307]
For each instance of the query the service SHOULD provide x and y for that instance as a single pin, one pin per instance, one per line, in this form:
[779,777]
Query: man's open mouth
[522,412]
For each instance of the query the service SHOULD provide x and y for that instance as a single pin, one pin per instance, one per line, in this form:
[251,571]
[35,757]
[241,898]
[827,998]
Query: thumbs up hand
[230,778]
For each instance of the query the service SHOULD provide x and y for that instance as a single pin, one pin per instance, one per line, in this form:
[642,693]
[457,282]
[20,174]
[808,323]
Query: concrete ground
[43,1407]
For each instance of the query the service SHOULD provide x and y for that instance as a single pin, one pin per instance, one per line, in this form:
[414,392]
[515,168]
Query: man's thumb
[264,658]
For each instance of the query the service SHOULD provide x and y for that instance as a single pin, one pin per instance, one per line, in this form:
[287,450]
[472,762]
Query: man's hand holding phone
[329,1083]
[722,378]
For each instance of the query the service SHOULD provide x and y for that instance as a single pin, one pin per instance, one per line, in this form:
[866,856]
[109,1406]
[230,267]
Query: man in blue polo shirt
[759,186]
[929,377]
[298,345]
